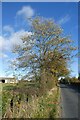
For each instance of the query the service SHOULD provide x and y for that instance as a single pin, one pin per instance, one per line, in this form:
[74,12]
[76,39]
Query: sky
[40,0]
[15,24]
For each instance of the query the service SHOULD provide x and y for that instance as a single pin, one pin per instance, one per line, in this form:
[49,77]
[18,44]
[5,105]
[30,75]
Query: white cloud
[2,43]
[6,44]
[64,20]
[15,38]
[3,55]
[26,12]
[8,28]
[3,47]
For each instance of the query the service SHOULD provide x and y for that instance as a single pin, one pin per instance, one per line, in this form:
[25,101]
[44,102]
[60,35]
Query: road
[69,101]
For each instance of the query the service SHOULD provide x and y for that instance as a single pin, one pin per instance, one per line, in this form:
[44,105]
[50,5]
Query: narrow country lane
[69,101]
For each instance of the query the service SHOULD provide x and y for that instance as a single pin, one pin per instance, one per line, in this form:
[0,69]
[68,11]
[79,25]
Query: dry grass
[36,106]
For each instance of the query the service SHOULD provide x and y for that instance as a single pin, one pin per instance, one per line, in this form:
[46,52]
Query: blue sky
[15,24]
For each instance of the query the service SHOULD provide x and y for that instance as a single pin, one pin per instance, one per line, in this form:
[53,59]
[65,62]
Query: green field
[0,100]
[28,101]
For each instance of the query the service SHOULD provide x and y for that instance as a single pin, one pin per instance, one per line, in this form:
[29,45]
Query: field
[0,100]
[27,100]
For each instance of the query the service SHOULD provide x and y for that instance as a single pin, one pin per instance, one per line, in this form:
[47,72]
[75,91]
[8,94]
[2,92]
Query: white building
[8,80]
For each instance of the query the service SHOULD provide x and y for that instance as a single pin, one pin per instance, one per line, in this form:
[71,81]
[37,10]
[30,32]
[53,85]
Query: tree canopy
[45,51]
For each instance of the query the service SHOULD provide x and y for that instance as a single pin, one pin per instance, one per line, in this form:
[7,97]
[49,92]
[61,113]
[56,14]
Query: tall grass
[29,102]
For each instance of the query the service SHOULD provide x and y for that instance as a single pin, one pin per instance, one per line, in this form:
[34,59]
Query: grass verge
[26,104]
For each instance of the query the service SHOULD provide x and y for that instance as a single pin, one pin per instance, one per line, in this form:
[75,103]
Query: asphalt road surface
[70,101]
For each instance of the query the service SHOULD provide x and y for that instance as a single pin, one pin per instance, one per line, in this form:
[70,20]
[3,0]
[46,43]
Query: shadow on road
[73,86]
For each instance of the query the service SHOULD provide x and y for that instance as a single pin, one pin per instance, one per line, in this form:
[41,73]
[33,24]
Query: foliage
[45,51]
[73,80]
[79,77]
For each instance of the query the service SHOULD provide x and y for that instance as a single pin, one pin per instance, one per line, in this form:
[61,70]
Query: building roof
[7,78]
